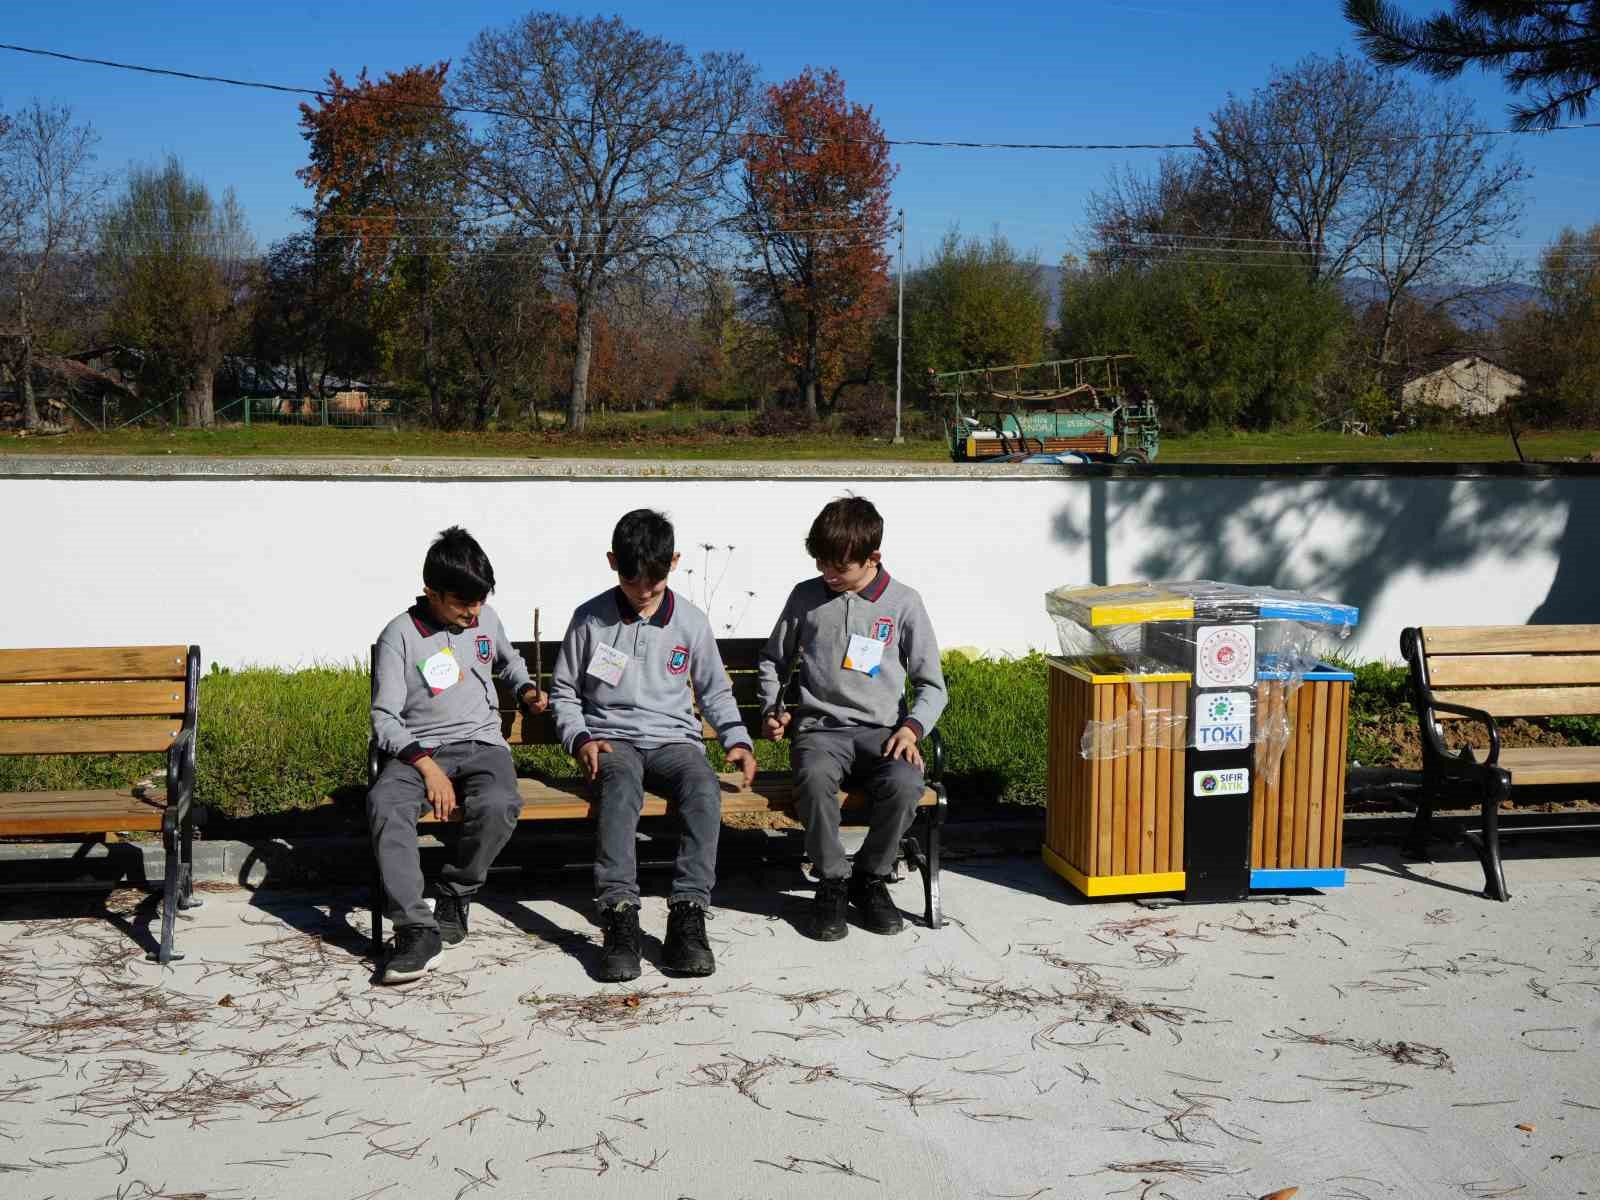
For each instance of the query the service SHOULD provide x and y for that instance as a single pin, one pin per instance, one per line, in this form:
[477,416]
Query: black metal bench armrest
[1464,757]
[374,761]
[181,771]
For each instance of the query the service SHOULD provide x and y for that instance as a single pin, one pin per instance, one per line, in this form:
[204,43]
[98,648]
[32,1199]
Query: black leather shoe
[687,951]
[874,906]
[450,912]
[619,960]
[415,946]
[827,911]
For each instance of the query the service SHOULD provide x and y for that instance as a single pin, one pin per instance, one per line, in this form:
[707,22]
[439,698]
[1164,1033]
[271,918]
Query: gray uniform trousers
[485,781]
[680,772]
[824,760]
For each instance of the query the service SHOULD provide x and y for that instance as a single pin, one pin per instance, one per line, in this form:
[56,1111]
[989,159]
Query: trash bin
[1196,743]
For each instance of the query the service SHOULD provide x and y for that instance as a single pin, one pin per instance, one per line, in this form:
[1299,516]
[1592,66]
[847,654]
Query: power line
[924,143]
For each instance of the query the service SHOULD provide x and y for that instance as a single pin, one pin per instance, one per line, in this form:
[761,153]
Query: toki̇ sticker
[1222,721]
[1222,783]
[1224,656]
[678,660]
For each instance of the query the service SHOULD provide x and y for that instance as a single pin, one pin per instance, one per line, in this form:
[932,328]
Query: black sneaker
[415,946]
[827,910]
[874,905]
[687,951]
[451,914]
[619,960]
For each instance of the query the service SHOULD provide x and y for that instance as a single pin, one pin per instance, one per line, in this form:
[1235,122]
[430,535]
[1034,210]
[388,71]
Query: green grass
[698,436]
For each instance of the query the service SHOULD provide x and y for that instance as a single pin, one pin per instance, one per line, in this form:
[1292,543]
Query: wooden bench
[108,700]
[1482,674]
[572,799]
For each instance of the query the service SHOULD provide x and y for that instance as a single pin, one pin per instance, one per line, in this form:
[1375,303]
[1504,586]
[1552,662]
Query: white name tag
[608,664]
[864,655]
[440,671]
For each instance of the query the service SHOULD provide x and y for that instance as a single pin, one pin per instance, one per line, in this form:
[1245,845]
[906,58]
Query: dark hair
[847,530]
[644,545]
[456,563]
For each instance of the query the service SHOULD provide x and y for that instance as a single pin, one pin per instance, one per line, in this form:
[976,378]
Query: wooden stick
[538,654]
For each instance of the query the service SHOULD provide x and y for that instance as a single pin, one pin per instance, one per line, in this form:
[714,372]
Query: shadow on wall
[1346,539]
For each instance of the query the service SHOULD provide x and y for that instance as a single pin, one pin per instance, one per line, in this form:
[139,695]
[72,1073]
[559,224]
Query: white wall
[289,572]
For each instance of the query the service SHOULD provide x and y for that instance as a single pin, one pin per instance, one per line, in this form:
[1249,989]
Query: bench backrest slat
[1509,670]
[154,698]
[739,656]
[93,663]
[1491,670]
[63,700]
[87,737]
[1525,702]
[1511,639]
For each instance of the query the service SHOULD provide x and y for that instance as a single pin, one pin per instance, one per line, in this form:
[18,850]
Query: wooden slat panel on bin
[142,699]
[1306,725]
[1333,803]
[1511,639]
[1161,769]
[1319,756]
[86,737]
[1105,706]
[1119,783]
[93,662]
[1175,783]
[1147,784]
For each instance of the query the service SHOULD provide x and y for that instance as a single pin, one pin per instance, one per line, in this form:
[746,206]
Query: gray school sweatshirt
[672,658]
[814,631]
[409,720]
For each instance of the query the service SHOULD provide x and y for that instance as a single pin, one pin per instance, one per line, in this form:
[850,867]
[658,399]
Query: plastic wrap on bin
[1225,636]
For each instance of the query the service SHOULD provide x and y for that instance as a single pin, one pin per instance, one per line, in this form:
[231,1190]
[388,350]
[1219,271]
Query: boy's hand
[741,757]
[774,725]
[902,743]
[441,793]
[588,757]
[535,701]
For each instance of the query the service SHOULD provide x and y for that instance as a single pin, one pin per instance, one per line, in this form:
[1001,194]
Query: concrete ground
[1398,1038]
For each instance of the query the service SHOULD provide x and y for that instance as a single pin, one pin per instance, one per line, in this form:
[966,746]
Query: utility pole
[900,328]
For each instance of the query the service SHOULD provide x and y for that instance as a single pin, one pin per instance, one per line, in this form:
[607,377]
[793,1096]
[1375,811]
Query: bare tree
[1302,150]
[1435,209]
[48,196]
[611,150]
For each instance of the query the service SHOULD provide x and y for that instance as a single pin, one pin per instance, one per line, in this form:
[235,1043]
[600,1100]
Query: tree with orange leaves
[816,210]
[387,174]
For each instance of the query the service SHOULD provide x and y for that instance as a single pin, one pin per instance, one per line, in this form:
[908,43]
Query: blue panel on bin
[1268,669]
[1298,877]
[1319,614]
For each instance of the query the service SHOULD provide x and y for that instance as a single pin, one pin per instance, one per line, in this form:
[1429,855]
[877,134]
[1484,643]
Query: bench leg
[186,896]
[171,890]
[925,858]
[1487,844]
[1417,837]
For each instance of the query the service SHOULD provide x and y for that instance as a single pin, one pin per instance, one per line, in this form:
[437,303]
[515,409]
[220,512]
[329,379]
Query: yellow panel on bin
[1095,886]
[1127,604]
[1108,669]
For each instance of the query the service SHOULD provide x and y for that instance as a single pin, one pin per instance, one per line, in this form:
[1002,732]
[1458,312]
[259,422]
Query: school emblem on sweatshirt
[883,630]
[678,663]
[484,647]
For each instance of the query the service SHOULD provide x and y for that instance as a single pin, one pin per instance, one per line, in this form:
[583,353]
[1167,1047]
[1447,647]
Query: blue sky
[1067,71]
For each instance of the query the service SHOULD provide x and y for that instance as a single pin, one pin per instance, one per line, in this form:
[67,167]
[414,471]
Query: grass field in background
[693,436]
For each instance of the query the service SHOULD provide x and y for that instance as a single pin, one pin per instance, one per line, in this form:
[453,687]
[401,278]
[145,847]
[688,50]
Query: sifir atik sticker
[1222,783]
